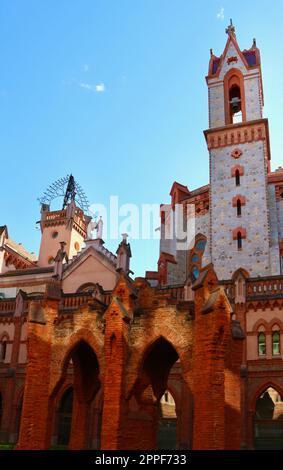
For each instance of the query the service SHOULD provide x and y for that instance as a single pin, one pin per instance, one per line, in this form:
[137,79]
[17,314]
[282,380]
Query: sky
[114,92]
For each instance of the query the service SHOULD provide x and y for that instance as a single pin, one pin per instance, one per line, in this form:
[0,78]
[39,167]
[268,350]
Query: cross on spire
[230,28]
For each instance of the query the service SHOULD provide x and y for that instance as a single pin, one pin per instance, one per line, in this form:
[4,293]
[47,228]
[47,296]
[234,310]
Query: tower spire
[230,30]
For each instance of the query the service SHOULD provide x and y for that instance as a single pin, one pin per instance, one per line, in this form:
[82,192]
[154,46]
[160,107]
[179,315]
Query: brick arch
[61,392]
[87,336]
[261,322]
[238,168]
[238,272]
[82,335]
[240,230]
[237,198]
[260,389]
[4,335]
[276,322]
[137,359]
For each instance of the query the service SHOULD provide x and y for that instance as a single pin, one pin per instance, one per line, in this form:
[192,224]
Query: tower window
[237,178]
[239,240]
[275,343]
[261,344]
[239,208]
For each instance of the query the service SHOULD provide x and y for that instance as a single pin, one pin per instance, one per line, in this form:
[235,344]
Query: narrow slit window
[239,241]
[237,178]
[239,208]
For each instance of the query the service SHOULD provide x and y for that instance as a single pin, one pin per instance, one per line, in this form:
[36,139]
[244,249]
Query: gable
[232,58]
[91,269]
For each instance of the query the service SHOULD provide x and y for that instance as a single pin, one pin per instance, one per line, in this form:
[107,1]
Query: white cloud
[86,67]
[87,86]
[99,88]
[220,15]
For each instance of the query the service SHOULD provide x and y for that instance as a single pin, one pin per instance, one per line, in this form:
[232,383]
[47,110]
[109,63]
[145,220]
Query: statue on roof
[59,259]
[95,225]
[230,28]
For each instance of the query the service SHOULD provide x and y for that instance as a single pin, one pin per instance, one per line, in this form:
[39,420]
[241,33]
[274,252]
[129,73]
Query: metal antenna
[68,189]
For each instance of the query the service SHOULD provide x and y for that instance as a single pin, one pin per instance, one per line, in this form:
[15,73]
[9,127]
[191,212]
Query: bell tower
[239,152]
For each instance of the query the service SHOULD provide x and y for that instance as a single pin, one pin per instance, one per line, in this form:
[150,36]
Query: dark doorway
[268,420]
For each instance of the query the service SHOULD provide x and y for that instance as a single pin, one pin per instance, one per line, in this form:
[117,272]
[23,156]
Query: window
[239,240]
[195,258]
[235,104]
[261,344]
[239,208]
[201,245]
[195,273]
[275,343]
[237,178]
[3,349]
[55,234]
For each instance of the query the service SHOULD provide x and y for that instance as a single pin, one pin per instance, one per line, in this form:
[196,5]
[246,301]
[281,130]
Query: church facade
[188,357]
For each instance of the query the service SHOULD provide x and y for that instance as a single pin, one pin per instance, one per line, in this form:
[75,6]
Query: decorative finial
[254,42]
[211,52]
[125,236]
[231,28]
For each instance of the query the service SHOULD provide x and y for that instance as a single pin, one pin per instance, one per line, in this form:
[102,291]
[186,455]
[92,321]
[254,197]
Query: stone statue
[59,260]
[99,228]
[95,225]
[90,228]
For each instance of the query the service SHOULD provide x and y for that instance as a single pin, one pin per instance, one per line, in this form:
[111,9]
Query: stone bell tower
[239,152]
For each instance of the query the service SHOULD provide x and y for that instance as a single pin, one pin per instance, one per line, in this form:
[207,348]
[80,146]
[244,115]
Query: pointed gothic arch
[267,415]
[195,256]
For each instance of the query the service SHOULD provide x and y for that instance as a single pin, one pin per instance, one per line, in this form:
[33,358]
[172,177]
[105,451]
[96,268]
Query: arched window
[275,343]
[195,258]
[237,178]
[235,104]
[239,240]
[3,349]
[261,344]
[239,208]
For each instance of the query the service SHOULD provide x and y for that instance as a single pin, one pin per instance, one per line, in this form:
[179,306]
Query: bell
[236,104]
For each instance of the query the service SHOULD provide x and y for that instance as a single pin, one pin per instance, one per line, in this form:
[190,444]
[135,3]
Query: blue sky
[114,92]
